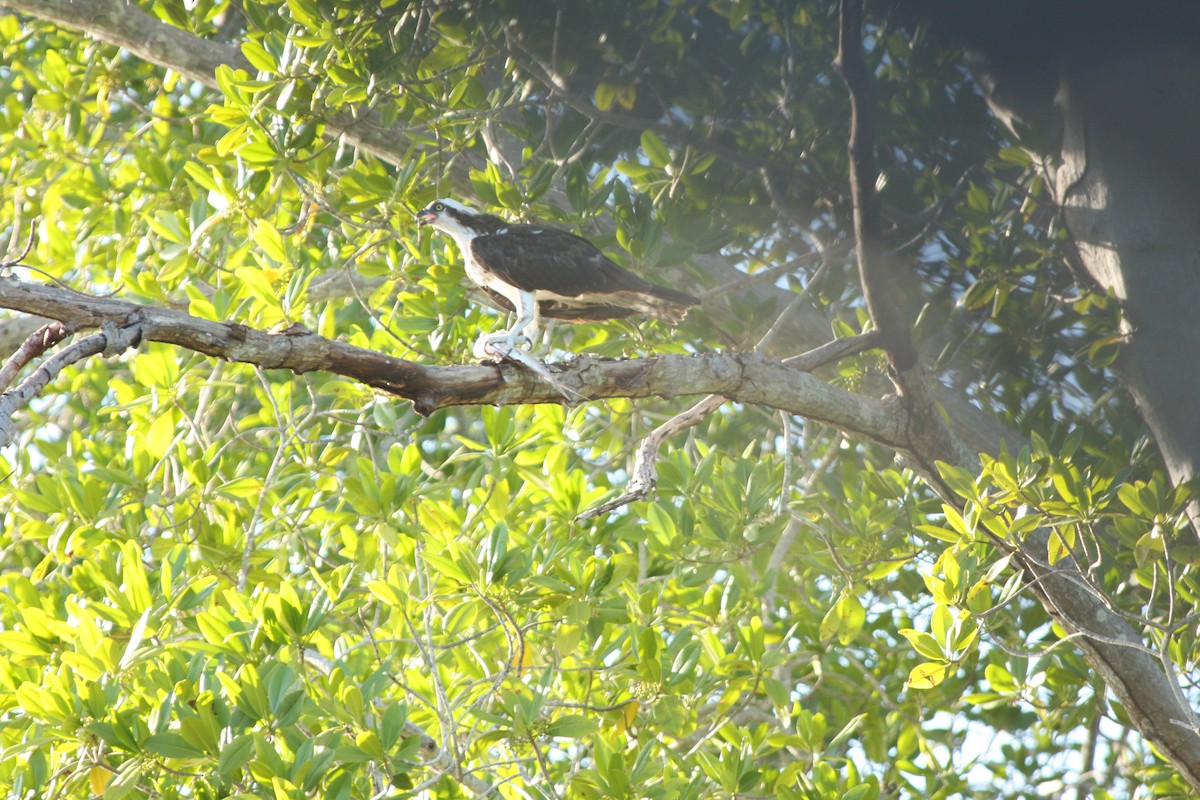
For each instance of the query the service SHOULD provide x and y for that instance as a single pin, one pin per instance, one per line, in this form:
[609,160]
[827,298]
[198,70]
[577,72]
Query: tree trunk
[1111,91]
[1129,185]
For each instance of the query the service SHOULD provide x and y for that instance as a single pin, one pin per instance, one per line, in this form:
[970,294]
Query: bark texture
[1129,186]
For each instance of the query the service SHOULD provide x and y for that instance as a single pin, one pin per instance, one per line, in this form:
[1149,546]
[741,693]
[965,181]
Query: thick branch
[1149,694]
[125,25]
[742,377]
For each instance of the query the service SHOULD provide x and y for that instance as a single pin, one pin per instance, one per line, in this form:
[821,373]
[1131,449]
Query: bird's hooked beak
[426,216]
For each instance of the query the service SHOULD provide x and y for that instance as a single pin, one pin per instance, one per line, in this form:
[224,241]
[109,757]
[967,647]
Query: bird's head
[452,217]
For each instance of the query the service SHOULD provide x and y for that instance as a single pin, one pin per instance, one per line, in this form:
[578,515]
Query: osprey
[538,271]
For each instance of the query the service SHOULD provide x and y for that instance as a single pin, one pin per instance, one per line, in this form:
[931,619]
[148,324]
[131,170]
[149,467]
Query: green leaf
[386,593]
[136,635]
[232,141]
[923,643]
[863,791]
[999,679]
[171,745]
[927,675]
[846,732]
[1131,496]
[447,567]
[1016,156]
[571,726]
[257,55]
[959,480]
[608,94]
[1062,541]
[125,781]
[844,620]
[135,585]
[632,169]
[267,237]
[942,623]
[655,149]
[261,285]
[243,488]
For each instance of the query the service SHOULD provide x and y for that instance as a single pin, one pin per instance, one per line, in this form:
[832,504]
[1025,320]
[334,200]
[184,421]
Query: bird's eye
[439,206]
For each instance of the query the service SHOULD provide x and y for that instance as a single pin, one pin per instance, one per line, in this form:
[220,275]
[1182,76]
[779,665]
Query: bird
[540,271]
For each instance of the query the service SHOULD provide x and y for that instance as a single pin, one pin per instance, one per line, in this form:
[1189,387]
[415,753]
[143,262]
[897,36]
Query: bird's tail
[666,304]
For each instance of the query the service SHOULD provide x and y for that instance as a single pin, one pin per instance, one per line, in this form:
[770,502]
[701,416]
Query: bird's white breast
[480,276]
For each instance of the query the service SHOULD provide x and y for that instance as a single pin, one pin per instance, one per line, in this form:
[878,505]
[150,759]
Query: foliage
[226,581]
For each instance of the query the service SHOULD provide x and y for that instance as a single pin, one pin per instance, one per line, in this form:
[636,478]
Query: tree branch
[879,283]
[644,475]
[120,23]
[37,343]
[111,341]
[742,377]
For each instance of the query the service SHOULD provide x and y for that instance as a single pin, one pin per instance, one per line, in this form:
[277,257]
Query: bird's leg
[497,346]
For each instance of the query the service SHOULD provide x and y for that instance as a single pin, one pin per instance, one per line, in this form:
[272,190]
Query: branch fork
[111,341]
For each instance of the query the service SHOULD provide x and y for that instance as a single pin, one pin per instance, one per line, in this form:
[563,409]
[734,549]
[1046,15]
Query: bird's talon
[497,347]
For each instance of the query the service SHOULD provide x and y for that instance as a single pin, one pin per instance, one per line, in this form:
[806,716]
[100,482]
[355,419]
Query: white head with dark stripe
[459,221]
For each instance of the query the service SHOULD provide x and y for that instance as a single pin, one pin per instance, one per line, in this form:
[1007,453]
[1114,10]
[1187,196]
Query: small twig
[24,253]
[775,562]
[879,284]
[644,475]
[769,275]
[276,462]
[836,350]
[925,220]
[785,484]
[779,324]
[362,301]
[37,343]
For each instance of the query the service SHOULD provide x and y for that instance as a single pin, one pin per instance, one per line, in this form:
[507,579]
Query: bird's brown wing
[533,258]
